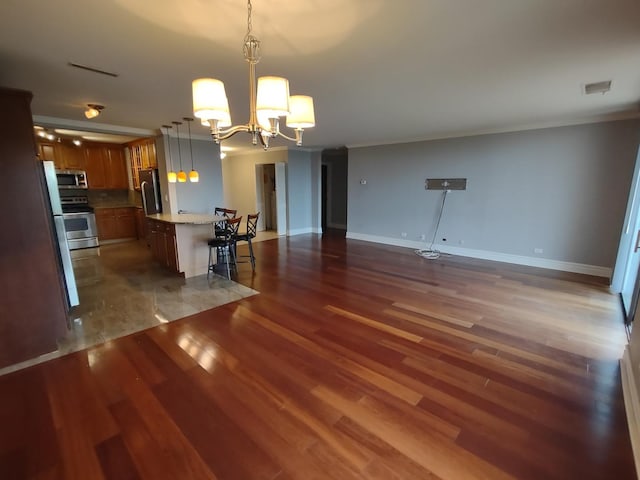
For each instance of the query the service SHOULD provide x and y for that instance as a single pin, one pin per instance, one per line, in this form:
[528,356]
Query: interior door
[260,196]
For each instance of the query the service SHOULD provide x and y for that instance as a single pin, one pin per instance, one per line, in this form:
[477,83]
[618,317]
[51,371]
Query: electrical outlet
[403,234]
[423,237]
[538,250]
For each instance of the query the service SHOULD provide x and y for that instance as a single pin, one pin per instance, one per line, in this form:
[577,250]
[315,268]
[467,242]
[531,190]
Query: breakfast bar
[179,241]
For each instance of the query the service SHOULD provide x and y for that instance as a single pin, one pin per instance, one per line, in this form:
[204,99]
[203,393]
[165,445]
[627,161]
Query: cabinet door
[126,222]
[72,156]
[107,224]
[172,248]
[116,168]
[95,162]
[140,224]
[46,151]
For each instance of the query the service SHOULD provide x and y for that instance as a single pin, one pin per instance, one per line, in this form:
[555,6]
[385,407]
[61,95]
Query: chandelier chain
[249,22]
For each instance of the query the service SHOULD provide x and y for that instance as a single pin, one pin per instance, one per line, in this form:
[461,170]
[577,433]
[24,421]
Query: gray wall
[300,192]
[199,197]
[563,190]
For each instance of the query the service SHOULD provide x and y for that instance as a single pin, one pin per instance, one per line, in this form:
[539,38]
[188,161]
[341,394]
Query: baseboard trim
[631,405]
[594,270]
[301,231]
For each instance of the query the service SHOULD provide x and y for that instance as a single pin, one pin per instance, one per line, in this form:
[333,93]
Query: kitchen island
[179,241]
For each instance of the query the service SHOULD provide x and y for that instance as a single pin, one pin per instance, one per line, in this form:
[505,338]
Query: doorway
[625,277]
[334,176]
[271,197]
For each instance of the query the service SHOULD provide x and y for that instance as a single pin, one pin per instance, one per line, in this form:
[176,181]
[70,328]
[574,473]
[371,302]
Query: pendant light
[171,174]
[182,176]
[194,177]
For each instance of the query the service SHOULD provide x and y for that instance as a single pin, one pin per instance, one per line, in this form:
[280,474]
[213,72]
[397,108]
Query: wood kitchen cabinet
[163,243]
[69,156]
[116,168]
[143,155]
[116,223]
[95,161]
[47,151]
[106,167]
[65,155]
[141,224]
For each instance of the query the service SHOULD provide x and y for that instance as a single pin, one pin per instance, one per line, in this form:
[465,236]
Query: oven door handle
[76,214]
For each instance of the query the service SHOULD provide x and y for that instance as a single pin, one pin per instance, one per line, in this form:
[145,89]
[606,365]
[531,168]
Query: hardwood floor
[355,361]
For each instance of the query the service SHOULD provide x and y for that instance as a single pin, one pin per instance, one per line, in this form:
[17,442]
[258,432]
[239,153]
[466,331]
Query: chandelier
[268,101]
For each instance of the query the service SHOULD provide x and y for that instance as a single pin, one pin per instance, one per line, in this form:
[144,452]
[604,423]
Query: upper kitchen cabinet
[47,151]
[69,156]
[106,167]
[95,161]
[65,156]
[143,155]
[116,168]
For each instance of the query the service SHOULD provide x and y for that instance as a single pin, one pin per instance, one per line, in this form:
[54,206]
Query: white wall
[303,181]
[563,190]
[239,176]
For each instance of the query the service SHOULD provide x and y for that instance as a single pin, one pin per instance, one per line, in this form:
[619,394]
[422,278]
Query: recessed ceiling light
[38,127]
[597,87]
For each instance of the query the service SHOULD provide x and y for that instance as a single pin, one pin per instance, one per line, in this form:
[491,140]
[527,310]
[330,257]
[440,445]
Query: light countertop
[186,218]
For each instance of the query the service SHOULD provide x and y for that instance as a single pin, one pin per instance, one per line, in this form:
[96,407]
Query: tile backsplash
[115,198]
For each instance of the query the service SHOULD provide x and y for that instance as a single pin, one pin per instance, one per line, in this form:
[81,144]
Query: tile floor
[122,291]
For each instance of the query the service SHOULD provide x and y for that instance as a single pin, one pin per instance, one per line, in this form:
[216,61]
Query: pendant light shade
[302,114]
[210,101]
[171,174]
[194,177]
[273,97]
[182,176]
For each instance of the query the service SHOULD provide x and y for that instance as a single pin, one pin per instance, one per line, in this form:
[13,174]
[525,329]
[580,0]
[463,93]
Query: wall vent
[597,87]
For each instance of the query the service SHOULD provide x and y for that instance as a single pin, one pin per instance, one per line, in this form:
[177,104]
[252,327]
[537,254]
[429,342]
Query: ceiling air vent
[597,87]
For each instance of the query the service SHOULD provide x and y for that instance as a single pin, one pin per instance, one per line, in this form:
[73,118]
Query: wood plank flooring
[356,361]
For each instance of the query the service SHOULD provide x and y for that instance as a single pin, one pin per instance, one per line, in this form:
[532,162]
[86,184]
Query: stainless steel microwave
[72,179]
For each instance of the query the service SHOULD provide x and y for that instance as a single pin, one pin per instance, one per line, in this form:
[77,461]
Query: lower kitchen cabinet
[163,243]
[116,223]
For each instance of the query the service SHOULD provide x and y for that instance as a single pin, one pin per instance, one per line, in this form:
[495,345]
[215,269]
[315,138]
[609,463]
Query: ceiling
[379,71]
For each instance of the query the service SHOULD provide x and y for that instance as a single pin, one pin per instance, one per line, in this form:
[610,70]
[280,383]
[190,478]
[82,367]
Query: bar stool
[225,247]
[252,225]
[222,212]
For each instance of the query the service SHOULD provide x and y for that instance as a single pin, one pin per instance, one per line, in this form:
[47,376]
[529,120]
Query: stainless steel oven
[79,222]
[81,230]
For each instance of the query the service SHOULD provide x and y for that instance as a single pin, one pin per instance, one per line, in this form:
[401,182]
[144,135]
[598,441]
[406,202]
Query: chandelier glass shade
[269,100]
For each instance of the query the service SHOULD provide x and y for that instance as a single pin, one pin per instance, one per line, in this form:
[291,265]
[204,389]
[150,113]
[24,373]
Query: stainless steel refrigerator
[150,190]
[60,233]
